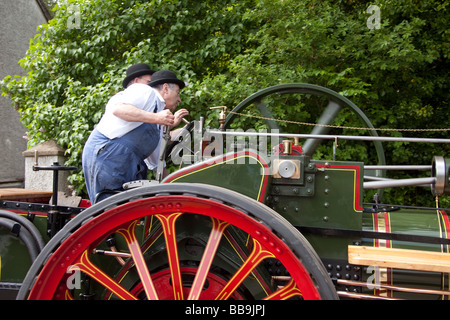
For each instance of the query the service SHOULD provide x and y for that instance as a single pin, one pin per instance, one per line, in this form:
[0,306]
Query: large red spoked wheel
[166,257]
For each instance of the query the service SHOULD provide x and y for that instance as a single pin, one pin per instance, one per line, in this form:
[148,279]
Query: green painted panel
[244,172]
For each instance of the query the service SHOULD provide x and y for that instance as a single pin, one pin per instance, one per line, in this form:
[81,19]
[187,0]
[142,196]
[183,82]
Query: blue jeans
[109,163]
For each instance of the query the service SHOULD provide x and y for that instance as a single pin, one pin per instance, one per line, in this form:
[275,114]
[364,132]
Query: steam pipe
[399,183]
[400,167]
[329,137]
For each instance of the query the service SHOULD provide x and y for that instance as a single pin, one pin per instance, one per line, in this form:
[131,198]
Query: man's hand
[165,118]
[180,114]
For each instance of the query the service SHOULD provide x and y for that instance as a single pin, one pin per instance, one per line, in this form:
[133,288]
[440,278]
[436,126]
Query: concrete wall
[19,20]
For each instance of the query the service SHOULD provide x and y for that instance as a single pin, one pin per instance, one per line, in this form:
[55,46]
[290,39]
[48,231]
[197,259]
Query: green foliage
[227,50]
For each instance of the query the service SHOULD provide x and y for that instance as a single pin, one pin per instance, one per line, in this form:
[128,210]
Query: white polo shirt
[141,96]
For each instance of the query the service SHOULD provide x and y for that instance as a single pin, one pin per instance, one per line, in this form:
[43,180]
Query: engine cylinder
[441,171]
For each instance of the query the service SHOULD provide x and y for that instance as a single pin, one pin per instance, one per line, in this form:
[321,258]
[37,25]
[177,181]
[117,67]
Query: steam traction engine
[240,223]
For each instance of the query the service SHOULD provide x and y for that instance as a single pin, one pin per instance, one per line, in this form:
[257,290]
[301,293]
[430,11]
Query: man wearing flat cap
[126,141]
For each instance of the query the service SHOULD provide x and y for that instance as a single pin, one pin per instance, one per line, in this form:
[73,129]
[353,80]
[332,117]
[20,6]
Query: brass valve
[222,116]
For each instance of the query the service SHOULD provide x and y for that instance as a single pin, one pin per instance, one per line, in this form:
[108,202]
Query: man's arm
[131,113]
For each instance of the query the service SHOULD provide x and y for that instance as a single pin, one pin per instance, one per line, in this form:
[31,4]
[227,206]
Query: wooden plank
[399,258]
[17,194]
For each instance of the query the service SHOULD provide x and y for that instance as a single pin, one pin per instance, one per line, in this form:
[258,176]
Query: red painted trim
[357,170]
[375,228]
[445,228]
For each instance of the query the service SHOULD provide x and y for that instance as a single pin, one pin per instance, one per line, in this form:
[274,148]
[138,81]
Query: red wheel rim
[74,252]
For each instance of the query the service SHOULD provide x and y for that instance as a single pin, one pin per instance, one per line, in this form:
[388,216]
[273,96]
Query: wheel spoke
[170,236]
[266,113]
[139,261]
[86,266]
[258,254]
[287,292]
[327,117]
[208,256]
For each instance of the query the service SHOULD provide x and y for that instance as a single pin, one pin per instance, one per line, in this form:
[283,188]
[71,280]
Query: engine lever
[162,153]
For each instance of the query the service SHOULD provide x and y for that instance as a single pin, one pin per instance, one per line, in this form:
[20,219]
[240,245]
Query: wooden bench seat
[399,258]
[17,194]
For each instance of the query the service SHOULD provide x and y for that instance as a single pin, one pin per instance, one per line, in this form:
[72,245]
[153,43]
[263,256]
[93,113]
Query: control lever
[162,153]
[54,220]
